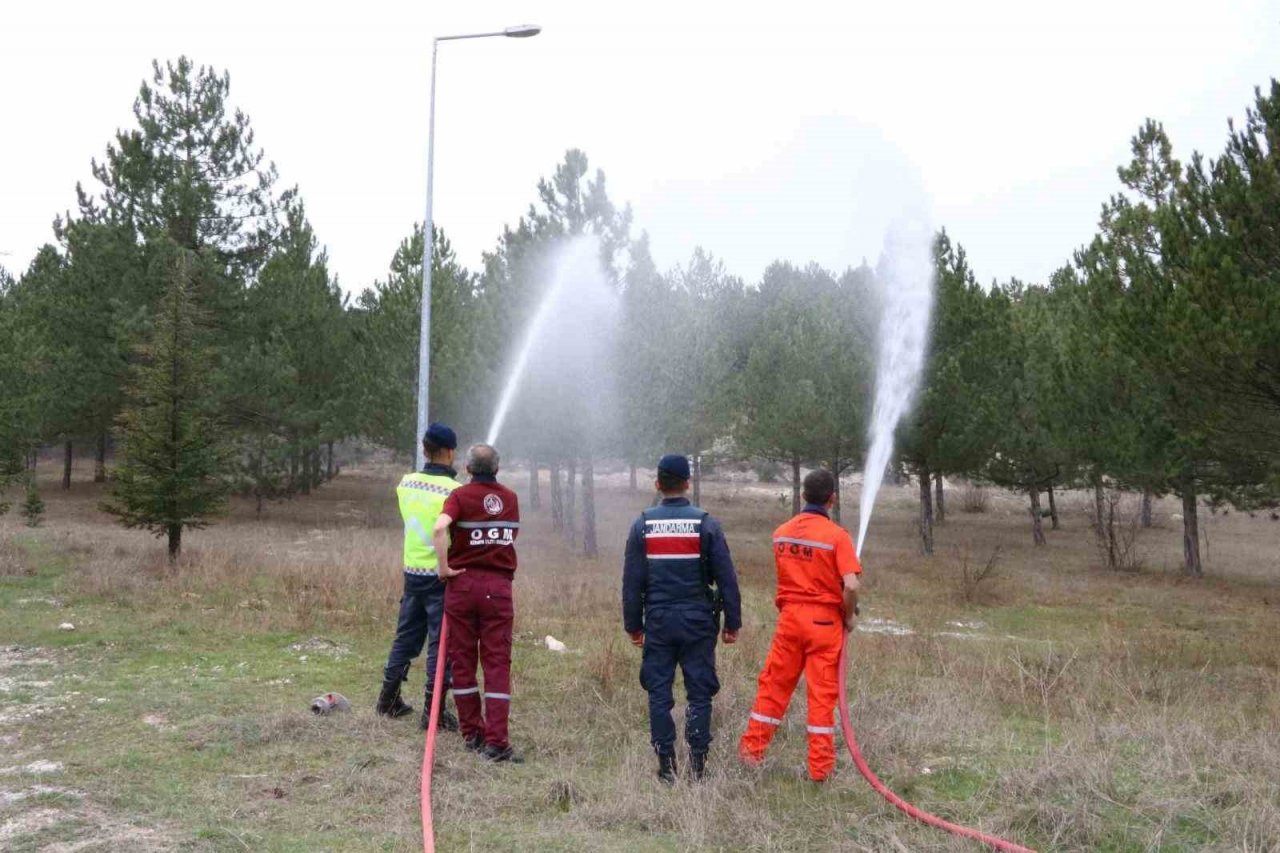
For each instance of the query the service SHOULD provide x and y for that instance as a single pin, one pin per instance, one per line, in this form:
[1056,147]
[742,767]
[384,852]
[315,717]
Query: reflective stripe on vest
[422,499]
[673,550]
[673,538]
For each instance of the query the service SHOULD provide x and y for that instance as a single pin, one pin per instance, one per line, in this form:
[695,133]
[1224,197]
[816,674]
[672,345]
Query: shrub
[768,471]
[972,574]
[974,499]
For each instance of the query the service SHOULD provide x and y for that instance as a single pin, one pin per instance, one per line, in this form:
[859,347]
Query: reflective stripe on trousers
[807,642]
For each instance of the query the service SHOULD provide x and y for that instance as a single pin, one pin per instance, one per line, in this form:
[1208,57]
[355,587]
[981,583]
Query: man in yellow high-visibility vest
[422,496]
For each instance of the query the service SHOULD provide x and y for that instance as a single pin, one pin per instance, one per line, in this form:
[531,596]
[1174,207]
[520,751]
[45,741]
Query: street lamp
[424,334]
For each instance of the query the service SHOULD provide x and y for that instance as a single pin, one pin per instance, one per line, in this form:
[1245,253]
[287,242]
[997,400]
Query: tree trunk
[939,500]
[175,543]
[633,484]
[100,460]
[835,472]
[795,484]
[306,471]
[571,502]
[535,491]
[257,493]
[1037,526]
[589,548]
[1053,509]
[1190,531]
[1145,517]
[1113,543]
[697,479]
[328,464]
[1098,524]
[926,513]
[66,466]
[557,497]
[293,472]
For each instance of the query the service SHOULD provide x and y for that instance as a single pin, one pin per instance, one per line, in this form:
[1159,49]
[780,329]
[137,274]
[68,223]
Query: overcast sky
[795,133]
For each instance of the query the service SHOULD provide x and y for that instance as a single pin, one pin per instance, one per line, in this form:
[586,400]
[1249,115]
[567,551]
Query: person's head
[439,444]
[673,475]
[820,488]
[482,459]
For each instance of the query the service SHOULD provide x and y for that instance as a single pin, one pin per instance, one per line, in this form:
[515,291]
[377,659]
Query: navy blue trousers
[421,614]
[685,637]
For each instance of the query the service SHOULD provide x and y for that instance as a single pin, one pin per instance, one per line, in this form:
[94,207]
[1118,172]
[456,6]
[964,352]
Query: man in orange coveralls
[818,603]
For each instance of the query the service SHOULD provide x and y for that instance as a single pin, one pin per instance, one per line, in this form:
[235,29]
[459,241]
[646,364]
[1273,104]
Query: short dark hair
[819,486]
[482,459]
[430,447]
[670,482]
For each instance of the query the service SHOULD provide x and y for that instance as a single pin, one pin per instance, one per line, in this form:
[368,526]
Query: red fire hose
[919,814]
[429,754]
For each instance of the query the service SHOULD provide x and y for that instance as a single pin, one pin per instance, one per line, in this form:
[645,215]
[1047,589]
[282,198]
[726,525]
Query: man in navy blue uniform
[675,555]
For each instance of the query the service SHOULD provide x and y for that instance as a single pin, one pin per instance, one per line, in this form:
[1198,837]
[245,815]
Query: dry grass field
[1057,704]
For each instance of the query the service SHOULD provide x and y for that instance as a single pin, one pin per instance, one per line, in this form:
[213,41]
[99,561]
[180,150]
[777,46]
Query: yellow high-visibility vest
[422,499]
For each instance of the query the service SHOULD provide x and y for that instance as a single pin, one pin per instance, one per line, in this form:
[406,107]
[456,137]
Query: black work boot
[475,743]
[494,754]
[667,769]
[389,702]
[697,765]
[448,722]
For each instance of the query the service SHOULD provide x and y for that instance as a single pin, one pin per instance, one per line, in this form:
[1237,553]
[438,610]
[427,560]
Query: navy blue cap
[675,465]
[441,436]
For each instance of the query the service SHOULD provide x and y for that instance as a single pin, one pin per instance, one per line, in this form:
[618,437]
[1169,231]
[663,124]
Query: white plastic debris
[555,645]
[66,626]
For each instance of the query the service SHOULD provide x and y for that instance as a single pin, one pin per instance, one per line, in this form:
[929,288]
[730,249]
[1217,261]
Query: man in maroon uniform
[477,530]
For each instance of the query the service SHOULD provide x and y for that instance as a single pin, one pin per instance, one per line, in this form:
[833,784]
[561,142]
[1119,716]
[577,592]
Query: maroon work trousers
[480,611]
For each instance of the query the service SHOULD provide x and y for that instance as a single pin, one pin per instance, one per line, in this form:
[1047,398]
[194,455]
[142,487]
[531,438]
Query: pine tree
[190,171]
[957,415]
[290,386]
[28,398]
[384,328]
[171,477]
[33,506]
[1024,457]
[806,380]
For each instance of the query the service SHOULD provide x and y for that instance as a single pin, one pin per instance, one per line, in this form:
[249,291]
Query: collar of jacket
[440,470]
[675,502]
[483,478]
[816,509]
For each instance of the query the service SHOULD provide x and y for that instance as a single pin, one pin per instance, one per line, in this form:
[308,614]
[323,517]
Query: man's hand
[637,637]
[729,637]
[850,622]
[445,572]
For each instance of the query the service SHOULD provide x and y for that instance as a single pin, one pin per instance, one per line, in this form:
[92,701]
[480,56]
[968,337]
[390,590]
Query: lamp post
[424,334]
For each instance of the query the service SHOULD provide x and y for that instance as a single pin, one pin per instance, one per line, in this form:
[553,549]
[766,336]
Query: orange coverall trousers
[808,640]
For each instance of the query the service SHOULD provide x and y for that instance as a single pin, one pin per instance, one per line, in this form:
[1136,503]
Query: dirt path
[37,810]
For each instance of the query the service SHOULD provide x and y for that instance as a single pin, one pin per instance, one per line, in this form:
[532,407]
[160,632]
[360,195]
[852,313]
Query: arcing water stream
[906,283]
[575,357]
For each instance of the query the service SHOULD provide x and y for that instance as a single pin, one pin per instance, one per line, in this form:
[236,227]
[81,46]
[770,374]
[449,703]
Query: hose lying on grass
[919,814]
[429,753]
